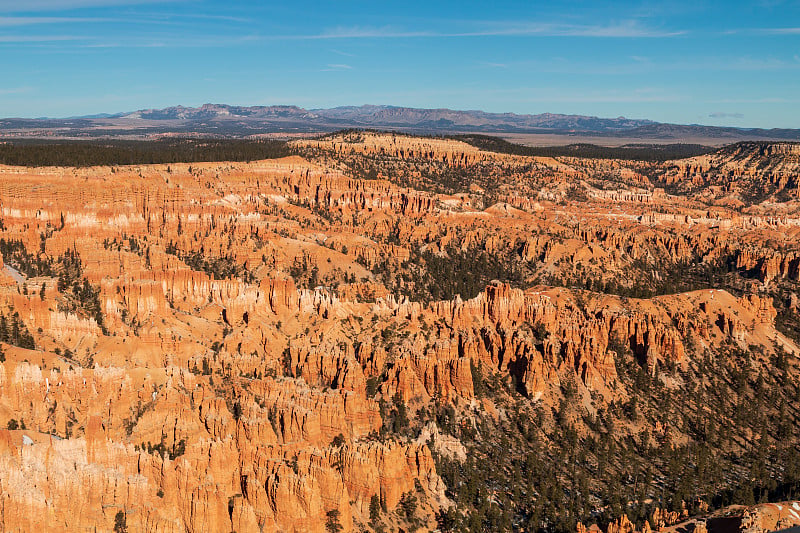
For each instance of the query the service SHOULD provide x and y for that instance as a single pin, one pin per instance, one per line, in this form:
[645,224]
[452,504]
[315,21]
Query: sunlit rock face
[256,346]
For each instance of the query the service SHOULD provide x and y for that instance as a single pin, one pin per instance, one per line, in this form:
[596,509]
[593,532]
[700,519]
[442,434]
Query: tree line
[32,153]
[632,152]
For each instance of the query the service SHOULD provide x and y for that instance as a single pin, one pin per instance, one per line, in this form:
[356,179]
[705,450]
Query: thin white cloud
[332,67]
[141,20]
[783,31]
[202,16]
[764,31]
[489,64]
[359,33]
[15,90]
[768,100]
[37,38]
[549,95]
[17,6]
[759,63]
[769,4]
[29,21]
[89,43]
[341,53]
[642,65]
[628,29]
[624,30]
[720,114]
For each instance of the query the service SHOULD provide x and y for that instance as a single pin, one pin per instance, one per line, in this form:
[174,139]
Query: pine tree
[374,508]
[332,522]
[120,522]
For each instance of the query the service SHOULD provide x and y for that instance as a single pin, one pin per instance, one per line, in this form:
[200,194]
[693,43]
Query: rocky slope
[385,332]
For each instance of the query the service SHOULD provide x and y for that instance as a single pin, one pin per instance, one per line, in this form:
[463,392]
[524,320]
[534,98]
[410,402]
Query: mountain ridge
[389,115]
[241,121]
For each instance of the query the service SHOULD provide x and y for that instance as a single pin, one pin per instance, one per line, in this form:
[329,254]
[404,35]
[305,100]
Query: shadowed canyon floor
[382,332]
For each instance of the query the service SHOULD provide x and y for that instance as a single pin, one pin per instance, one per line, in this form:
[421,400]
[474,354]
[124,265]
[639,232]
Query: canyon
[388,332]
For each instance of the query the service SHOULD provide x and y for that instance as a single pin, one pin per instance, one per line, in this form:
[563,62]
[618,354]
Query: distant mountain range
[372,116]
[238,121]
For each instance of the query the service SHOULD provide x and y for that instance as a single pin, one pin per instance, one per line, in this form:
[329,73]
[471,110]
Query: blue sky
[709,62]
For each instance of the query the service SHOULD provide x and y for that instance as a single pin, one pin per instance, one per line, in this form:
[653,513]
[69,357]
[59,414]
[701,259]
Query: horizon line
[122,114]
